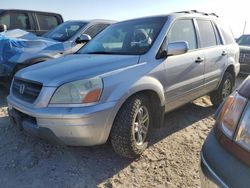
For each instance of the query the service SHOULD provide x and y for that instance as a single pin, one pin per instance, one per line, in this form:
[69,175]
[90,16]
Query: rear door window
[47,22]
[207,34]
[217,34]
[95,29]
[16,20]
[5,19]
[183,30]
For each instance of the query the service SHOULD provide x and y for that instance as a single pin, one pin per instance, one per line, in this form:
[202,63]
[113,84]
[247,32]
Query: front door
[184,73]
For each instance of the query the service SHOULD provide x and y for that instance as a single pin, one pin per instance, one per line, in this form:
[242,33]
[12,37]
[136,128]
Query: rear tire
[129,134]
[224,90]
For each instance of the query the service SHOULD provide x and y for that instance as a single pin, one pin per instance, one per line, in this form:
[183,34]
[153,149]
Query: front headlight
[79,92]
[243,134]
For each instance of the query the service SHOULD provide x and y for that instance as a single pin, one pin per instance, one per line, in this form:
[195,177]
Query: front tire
[130,131]
[224,90]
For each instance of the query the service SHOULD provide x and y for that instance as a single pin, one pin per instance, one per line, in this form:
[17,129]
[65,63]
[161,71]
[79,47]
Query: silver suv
[123,81]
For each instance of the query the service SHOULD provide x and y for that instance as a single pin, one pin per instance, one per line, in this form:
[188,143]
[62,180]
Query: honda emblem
[22,89]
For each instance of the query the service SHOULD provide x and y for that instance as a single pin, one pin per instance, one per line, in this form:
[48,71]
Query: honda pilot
[121,83]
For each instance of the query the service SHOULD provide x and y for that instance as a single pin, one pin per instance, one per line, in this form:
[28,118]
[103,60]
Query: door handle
[199,60]
[224,53]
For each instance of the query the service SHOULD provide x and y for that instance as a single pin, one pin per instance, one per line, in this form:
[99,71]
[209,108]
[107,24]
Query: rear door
[215,54]
[184,73]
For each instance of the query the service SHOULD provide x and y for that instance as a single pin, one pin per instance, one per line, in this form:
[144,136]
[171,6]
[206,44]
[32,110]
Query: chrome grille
[244,57]
[26,90]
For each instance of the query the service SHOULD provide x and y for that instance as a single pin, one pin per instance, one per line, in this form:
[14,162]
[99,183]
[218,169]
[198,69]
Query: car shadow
[63,166]
[102,162]
[89,166]
[180,119]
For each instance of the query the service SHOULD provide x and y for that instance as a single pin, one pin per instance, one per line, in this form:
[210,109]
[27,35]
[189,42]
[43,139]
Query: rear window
[207,34]
[244,40]
[47,22]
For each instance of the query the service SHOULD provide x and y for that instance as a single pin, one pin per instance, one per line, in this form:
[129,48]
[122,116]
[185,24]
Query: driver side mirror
[3,27]
[84,38]
[175,48]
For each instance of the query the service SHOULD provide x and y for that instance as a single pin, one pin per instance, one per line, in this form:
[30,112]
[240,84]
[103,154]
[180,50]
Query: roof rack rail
[198,12]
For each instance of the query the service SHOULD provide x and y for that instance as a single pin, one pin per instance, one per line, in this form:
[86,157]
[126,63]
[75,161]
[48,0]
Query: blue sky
[233,13]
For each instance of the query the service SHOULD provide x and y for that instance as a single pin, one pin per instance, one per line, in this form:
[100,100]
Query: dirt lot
[172,160]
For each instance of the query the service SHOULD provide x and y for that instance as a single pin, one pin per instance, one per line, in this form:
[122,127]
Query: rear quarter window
[47,22]
[226,33]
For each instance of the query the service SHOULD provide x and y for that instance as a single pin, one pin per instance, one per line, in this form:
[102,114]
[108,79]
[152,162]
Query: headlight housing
[79,92]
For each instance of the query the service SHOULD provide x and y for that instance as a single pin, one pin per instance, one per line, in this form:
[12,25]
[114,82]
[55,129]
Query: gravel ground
[172,160]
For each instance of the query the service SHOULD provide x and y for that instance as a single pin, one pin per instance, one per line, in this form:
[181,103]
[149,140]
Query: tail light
[243,133]
[234,120]
[231,113]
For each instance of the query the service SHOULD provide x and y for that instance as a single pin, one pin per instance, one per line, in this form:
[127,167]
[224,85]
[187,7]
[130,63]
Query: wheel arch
[150,87]
[230,69]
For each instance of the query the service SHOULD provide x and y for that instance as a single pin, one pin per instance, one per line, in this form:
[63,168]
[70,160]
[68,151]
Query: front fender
[123,91]
[146,83]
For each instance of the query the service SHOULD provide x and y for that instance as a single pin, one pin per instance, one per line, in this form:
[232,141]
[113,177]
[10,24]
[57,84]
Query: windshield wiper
[114,53]
[101,52]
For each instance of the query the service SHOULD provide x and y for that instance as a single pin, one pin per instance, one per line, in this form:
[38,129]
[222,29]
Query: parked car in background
[244,43]
[225,155]
[121,83]
[65,39]
[33,21]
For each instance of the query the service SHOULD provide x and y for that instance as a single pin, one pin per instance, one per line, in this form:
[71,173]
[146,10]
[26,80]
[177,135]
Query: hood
[75,67]
[245,49]
[50,51]
[19,46]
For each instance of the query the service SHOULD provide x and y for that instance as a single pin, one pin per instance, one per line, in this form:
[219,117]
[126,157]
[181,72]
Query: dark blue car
[244,44]
[225,155]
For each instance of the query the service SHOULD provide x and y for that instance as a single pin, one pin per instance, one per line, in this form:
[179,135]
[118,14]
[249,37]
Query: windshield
[244,40]
[128,38]
[64,31]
